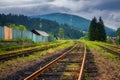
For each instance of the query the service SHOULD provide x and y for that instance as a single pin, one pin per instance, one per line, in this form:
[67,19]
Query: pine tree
[92,29]
[96,30]
[102,33]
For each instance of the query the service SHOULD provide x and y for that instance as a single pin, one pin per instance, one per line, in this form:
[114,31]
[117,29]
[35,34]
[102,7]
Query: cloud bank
[109,10]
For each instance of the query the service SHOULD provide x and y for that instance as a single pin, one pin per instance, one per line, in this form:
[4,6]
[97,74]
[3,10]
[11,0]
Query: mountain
[51,27]
[72,20]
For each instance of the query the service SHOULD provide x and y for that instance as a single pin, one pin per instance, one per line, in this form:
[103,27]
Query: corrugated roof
[42,33]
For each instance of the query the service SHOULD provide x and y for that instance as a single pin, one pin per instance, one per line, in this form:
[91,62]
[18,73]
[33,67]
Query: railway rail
[26,52]
[18,47]
[68,66]
[110,50]
[113,46]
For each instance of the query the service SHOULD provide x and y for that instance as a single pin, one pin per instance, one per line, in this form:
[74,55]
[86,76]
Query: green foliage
[117,40]
[118,36]
[85,36]
[96,30]
[118,32]
[18,27]
[109,41]
[22,27]
[13,26]
[61,33]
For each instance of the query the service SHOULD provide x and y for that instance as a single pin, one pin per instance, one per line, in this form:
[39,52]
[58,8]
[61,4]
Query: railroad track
[90,69]
[68,66]
[110,50]
[113,46]
[26,52]
[18,47]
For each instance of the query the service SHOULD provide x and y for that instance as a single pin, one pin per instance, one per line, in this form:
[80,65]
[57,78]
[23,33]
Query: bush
[109,41]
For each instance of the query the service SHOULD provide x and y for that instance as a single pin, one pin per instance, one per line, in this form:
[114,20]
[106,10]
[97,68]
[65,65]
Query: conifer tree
[96,30]
[102,33]
[92,29]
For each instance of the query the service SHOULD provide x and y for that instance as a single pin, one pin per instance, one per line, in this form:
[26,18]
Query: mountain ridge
[51,27]
[72,20]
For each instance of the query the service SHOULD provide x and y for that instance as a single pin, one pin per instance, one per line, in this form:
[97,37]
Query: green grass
[92,45]
[19,45]
[106,62]
[36,55]
[110,56]
[37,46]
[2,66]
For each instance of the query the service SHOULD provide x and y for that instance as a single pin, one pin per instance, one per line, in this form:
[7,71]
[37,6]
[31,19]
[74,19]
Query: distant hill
[72,20]
[51,27]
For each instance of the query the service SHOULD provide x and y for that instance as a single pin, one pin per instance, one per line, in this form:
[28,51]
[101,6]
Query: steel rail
[114,46]
[41,70]
[26,52]
[83,63]
[110,50]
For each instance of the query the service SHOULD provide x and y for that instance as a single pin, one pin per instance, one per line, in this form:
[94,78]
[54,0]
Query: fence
[1,33]
[8,34]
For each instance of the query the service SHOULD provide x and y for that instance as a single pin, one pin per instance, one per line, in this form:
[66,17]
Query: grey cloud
[36,10]
[108,9]
[109,5]
[6,4]
[74,0]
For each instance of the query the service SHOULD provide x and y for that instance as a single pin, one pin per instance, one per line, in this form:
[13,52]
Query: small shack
[44,36]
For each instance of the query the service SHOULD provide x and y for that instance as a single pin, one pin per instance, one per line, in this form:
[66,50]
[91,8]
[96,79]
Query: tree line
[51,27]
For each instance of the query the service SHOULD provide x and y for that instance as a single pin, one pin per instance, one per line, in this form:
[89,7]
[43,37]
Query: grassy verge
[32,46]
[108,64]
[21,61]
[91,45]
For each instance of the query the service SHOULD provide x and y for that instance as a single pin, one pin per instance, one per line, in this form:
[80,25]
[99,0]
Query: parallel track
[61,69]
[110,50]
[113,46]
[26,52]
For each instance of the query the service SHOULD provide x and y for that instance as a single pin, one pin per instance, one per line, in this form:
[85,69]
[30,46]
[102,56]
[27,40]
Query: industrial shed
[43,34]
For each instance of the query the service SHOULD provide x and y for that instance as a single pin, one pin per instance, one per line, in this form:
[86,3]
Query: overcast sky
[108,9]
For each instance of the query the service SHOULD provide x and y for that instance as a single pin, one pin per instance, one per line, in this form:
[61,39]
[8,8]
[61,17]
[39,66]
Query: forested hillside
[51,27]
[73,20]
